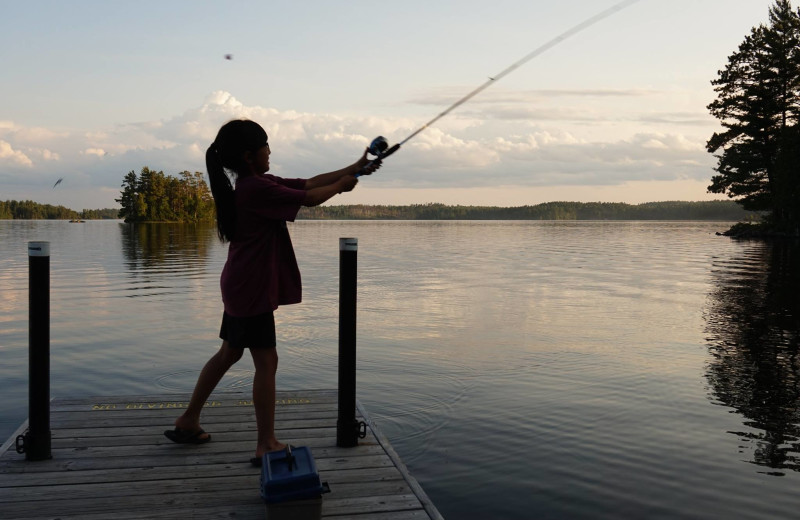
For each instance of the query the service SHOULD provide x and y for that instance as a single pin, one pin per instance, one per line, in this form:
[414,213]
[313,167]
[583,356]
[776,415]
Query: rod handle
[363,170]
[385,154]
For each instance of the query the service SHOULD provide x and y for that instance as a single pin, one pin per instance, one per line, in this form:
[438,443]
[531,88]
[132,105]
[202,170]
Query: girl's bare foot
[181,423]
[273,445]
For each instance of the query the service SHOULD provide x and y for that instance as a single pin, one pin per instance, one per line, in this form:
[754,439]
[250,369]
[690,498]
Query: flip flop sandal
[181,436]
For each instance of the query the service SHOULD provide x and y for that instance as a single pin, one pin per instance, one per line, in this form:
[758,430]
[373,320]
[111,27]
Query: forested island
[152,196]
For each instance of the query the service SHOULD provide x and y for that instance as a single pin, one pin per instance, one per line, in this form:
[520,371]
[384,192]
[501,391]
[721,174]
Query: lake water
[521,369]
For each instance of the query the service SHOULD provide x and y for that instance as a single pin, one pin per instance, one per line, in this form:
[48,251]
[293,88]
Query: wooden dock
[111,460]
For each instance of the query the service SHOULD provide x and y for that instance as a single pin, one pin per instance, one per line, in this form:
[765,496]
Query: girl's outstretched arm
[327,179]
[318,195]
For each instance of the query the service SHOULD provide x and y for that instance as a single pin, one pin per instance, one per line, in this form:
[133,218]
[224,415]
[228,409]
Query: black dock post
[35,443]
[348,430]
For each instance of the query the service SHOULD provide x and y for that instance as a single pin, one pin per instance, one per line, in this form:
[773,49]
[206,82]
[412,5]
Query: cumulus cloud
[47,155]
[471,150]
[11,156]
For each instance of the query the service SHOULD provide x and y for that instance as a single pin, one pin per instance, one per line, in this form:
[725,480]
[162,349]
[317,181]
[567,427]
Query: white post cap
[38,248]
[348,244]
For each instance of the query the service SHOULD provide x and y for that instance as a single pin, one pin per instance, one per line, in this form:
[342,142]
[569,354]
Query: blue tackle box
[290,475]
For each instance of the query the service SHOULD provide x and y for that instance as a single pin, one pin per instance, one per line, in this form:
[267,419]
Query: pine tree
[127,197]
[758,104]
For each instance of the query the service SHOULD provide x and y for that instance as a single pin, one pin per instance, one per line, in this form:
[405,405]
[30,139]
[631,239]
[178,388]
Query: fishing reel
[378,148]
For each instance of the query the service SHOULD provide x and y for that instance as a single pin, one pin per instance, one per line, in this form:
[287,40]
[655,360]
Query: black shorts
[250,332]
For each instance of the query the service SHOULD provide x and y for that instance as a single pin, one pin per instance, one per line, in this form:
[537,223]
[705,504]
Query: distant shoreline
[722,211]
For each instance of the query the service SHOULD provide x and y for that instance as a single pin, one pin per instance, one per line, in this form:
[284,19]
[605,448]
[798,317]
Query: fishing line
[380,146]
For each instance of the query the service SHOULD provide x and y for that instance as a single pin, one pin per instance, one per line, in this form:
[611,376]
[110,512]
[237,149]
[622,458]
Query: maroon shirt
[261,272]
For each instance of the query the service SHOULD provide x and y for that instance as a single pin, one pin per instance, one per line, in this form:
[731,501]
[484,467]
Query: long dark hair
[225,162]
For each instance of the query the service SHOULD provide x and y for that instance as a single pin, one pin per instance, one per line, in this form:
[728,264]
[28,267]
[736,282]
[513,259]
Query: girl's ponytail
[222,191]
[225,161]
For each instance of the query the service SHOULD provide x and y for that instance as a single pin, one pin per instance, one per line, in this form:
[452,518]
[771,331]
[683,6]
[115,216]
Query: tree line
[29,210]
[152,196]
[674,210]
[758,106]
[710,210]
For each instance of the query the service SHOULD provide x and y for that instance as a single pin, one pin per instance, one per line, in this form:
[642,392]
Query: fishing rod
[379,147]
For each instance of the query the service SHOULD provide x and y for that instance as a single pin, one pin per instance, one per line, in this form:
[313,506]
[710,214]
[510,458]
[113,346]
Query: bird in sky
[58,181]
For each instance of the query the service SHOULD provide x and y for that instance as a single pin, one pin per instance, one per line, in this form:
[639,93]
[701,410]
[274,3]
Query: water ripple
[522,369]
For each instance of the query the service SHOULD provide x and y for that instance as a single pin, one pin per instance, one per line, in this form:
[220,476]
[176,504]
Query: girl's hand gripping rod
[380,146]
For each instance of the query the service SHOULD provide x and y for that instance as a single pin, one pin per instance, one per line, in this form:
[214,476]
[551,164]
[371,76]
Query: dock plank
[110,459]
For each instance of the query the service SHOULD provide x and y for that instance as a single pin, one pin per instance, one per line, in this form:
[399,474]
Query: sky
[92,90]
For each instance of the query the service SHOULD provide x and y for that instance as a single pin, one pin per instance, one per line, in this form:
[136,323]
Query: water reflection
[753,321]
[174,247]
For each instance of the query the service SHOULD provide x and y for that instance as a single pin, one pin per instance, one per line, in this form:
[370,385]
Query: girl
[261,270]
